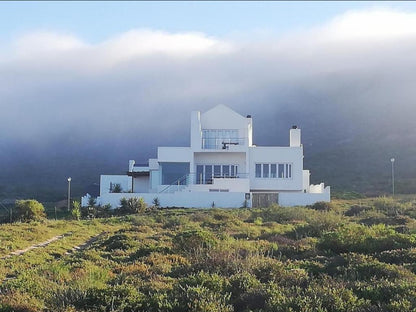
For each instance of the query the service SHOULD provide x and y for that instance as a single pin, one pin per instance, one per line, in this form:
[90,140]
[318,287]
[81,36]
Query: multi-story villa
[220,168]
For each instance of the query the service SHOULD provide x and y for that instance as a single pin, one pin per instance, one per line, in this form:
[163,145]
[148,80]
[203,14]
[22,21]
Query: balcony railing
[216,143]
[192,178]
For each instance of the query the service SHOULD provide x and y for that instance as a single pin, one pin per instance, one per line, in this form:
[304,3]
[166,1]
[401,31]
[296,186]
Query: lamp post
[392,174]
[69,193]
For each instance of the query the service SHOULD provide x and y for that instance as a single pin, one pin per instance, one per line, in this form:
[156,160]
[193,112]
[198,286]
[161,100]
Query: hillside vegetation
[350,255]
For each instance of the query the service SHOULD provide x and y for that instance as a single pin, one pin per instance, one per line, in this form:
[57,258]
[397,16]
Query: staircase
[178,185]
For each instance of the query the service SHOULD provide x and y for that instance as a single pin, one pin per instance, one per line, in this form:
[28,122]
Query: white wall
[317,188]
[303,199]
[174,154]
[123,180]
[306,180]
[141,184]
[293,155]
[154,180]
[85,200]
[294,137]
[185,199]
[196,133]
[233,185]
[223,117]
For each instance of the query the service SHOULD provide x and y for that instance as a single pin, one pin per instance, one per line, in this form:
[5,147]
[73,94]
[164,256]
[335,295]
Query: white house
[220,168]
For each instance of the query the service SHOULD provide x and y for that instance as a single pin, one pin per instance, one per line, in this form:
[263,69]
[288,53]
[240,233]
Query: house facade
[221,167]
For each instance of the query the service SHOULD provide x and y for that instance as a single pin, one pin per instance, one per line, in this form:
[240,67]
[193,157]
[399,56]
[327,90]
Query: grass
[268,259]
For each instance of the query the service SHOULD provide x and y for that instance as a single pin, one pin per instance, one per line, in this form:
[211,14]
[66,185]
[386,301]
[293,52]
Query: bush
[360,238]
[116,188]
[29,210]
[132,205]
[192,240]
[322,206]
[118,241]
[201,299]
[356,210]
[389,206]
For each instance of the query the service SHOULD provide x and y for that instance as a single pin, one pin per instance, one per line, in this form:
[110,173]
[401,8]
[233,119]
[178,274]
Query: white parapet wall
[303,199]
[181,199]
[110,180]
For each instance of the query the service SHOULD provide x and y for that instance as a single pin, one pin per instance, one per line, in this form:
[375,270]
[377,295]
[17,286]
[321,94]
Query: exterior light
[392,174]
[69,193]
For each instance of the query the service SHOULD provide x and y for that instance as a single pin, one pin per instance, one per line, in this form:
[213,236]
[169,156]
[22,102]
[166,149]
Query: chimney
[294,137]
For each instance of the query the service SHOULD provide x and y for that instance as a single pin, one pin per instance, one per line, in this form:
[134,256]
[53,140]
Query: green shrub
[390,206]
[132,205]
[192,240]
[316,224]
[116,188]
[397,256]
[258,221]
[356,210]
[28,210]
[76,210]
[201,299]
[360,238]
[322,206]
[118,241]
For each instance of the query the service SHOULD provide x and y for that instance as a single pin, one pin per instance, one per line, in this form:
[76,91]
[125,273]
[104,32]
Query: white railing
[191,178]
[216,143]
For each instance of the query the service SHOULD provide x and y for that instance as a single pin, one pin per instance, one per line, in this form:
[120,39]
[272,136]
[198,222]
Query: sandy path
[43,244]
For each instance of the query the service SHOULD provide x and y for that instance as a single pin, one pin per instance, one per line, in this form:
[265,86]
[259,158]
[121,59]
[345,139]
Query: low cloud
[140,86]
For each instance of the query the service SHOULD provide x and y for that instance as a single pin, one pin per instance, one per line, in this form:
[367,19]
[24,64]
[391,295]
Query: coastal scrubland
[349,255]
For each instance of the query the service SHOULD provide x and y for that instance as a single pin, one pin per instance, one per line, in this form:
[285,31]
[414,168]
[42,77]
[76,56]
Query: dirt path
[20,252]
[87,243]
[84,245]
[35,246]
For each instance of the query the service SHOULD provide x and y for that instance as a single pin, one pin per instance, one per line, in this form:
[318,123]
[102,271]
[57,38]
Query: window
[258,170]
[273,171]
[226,171]
[220,138]
[199,174]
[174,172]
[208,174]
[280,171]
[205,173]
[265,170]
[233,171]
[217,171]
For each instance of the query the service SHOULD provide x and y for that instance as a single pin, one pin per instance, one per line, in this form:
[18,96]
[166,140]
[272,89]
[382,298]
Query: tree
[76,210]
[29,210]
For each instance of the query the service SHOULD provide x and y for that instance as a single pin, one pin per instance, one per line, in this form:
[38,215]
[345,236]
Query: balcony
[191,182]
[222,144]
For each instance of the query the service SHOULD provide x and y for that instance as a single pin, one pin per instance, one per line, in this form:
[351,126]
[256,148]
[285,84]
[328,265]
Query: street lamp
[392,174]
[69,193]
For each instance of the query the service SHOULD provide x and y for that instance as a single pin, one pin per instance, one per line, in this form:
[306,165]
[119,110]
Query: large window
[280,171]
[220,139]
[205,173]
[174,172]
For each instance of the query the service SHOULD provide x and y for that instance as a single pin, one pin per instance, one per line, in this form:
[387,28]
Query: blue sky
[95,21]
